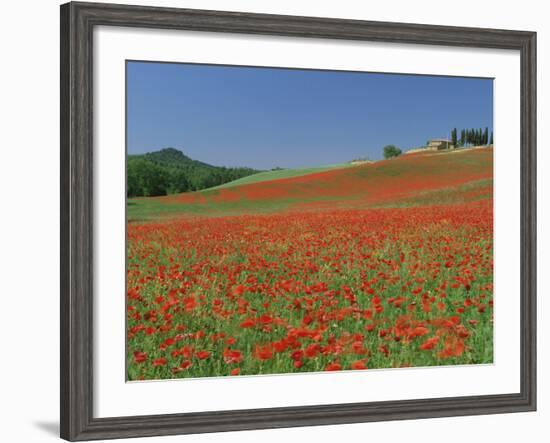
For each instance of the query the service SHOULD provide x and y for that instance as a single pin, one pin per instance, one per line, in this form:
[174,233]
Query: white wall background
[29,227]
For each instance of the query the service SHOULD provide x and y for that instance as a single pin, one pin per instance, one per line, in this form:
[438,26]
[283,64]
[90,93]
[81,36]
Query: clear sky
[266,117]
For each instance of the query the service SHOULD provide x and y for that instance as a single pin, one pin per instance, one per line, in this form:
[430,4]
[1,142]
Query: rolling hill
[278,174]
[412,180]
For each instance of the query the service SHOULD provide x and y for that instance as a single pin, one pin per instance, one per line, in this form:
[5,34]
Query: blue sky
[268,117]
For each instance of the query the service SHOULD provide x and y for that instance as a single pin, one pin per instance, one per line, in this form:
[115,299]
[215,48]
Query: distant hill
[170,171]
[172,157]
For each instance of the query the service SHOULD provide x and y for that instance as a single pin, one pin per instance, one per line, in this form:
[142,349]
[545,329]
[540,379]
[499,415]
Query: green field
[281,174]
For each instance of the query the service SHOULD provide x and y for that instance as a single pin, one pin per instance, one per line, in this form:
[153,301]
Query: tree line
[472,137]
[169,171]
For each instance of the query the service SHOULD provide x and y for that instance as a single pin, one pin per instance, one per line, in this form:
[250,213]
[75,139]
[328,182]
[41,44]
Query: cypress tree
[453,137]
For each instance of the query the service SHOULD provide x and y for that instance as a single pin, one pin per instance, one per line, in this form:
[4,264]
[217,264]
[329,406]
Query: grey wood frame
[77,24]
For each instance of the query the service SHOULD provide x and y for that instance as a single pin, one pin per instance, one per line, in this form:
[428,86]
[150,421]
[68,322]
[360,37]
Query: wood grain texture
[76,307]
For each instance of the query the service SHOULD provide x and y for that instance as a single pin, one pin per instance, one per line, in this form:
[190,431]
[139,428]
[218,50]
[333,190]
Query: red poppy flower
[418,331]
[359,364]
[140,357]
[429,343]
[280,346]
[265,319]
[186,364]
[238,290]
[203,355]
[159,362]
[334,366]
[248,323]
[232,356]
[312,350]
[263,352]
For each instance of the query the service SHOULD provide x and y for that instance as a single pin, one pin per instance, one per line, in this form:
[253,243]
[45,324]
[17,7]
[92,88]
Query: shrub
[391,151]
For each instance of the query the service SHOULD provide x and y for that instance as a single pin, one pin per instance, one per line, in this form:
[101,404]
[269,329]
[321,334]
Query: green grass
[280,174]
[471,191]
[148,209]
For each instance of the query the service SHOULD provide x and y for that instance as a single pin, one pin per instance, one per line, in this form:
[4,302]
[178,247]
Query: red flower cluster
[310,291]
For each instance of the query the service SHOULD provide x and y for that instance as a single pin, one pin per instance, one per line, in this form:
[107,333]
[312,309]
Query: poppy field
[381,265]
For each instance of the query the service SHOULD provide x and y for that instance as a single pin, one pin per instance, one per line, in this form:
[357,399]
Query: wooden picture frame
[77,23]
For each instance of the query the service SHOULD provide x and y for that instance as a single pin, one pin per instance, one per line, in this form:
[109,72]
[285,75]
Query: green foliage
[391,151]
[454,137]
[169,171]
[145,178]
[473,137]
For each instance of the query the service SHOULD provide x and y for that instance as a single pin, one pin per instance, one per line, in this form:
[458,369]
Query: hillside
[170,171]
[278,174]
[412,180]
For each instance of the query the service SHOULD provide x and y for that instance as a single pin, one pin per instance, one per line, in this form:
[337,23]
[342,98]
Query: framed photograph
[273,221]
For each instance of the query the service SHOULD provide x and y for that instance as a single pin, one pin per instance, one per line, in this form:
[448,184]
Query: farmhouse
[438,144]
